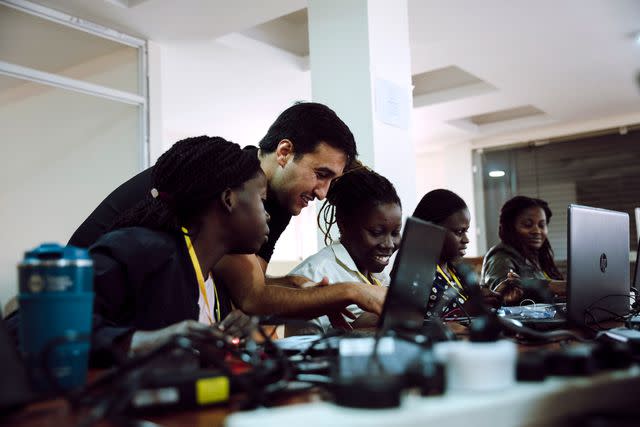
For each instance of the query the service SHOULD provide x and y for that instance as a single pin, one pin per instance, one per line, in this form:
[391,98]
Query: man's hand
[366,320]
[370,298]
[338,319]
[243,278]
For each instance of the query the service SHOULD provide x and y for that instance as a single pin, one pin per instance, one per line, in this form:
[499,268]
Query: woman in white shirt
[368,213]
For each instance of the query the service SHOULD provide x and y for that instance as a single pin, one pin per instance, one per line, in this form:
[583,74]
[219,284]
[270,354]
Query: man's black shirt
[137,188]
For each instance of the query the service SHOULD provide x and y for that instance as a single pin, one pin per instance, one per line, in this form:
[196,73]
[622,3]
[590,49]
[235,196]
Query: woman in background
[524,251]
[446,209]
[368,213]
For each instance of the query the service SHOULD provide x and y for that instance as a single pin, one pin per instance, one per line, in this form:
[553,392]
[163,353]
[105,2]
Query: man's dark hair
[508,234]
[187,178]
[307,124]
[353,193]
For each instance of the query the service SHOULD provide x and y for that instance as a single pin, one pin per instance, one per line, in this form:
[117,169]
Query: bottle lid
[56,255]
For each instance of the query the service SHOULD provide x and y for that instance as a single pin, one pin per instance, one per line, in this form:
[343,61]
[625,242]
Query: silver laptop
[598,263]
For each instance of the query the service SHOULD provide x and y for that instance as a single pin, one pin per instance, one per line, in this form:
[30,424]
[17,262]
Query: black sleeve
[143,280]
[121,199]
[279,220]
[266,250]
[113,296]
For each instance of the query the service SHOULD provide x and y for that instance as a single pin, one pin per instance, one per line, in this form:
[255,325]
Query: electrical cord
[374,359]
[325,337]
[469,283]
[461,308]
[110,396]
[550,336]
[591,310]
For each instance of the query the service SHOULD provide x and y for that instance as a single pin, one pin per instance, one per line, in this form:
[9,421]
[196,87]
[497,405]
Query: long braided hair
[508,234]
[187,178]
[357,190]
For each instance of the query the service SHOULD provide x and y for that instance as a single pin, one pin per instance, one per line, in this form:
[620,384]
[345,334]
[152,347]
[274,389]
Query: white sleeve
[309,270]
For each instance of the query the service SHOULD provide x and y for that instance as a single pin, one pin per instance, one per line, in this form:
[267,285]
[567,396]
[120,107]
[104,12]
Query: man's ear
[228,200]
[284,152]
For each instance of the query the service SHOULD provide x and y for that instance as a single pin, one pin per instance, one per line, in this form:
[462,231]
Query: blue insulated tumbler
[56,301]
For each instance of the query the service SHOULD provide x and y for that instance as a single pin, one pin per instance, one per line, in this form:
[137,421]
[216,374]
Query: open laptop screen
[598,257]
[412,274]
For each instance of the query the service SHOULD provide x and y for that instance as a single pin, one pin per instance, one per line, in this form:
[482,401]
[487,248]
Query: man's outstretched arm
[244,279]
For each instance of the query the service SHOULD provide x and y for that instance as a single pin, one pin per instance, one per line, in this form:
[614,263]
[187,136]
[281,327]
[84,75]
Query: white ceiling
[575,60]
[572,59]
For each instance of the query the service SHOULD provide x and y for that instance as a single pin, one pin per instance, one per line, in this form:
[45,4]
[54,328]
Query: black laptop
[411,281]
[412,275]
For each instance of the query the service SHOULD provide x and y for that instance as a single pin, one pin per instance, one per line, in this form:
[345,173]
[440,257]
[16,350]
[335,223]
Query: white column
[361,67]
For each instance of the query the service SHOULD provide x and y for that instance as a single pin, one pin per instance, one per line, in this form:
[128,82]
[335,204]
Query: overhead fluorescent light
[127,4]
[496,174]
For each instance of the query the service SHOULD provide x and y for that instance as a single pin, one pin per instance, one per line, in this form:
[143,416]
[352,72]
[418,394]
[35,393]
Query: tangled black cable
[110,396]
[593,308]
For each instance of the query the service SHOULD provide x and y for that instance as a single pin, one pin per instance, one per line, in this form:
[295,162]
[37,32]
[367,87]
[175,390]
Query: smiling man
[303,151]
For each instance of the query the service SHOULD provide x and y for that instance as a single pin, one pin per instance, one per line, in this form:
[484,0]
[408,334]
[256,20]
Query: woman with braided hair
[151,269]
[305,148]
[367,211]
[524,252]
[446,209]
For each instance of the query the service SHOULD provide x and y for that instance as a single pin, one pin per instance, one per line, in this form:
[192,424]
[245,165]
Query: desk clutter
[356,370]
[412,365]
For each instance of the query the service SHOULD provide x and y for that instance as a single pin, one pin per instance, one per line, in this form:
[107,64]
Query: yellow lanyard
[456,286]
[200,278]
[360,275]
[364,278]
[546,275]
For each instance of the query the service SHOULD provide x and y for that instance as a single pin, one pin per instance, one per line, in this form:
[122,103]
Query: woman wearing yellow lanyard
[448,210]
[367,210]
[151,270]
[524,252]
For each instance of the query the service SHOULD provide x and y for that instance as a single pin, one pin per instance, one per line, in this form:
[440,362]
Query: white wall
[233,87]
[250,84]
[194,74]
[62,154]
[62,151]
[449,168]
